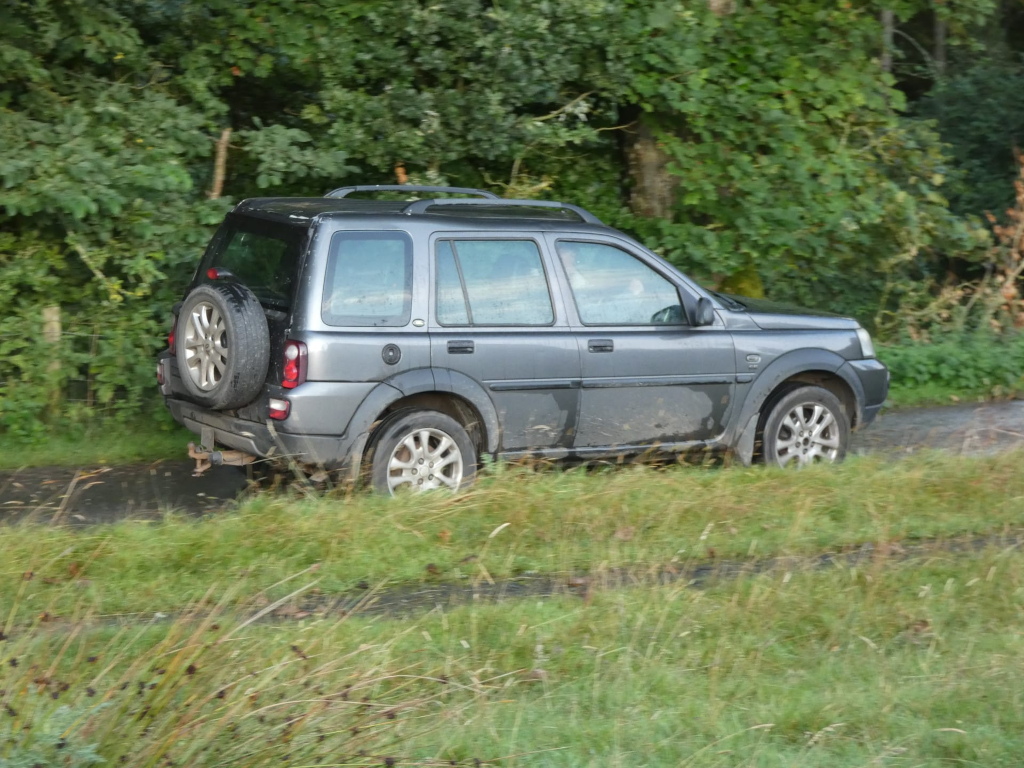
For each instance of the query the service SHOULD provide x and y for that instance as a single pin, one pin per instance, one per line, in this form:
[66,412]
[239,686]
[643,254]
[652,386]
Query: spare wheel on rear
[223,345]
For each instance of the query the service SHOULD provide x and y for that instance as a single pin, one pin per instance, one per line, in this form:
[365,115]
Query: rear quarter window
[368,282]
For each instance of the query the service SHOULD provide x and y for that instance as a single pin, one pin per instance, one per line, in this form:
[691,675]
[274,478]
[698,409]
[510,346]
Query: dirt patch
[416,600]
[968,430]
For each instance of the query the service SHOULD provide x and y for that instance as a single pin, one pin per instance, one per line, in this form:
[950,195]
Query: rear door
[266,257]
[496,318]
[647,376]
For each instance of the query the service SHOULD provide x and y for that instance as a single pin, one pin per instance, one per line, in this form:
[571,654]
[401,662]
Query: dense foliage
[759,145]
[981,116]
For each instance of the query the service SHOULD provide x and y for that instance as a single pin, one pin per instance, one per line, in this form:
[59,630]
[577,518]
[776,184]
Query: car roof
[471,213]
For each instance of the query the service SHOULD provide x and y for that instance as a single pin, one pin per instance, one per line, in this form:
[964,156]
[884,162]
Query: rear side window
[369,279]
[262,255]
[491,282]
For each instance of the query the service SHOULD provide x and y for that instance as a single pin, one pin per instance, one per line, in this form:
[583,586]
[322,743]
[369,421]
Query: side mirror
[704,313]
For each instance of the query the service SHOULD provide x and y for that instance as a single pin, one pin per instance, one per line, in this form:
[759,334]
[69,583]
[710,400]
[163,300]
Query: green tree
[99,207]
[739,138]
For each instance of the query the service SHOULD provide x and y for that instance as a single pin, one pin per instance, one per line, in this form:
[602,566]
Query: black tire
[804,426]
[410,453]
[223,345]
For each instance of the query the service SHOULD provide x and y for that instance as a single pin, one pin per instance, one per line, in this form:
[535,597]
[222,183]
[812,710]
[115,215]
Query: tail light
[278,408]
[294,364]
[170,336]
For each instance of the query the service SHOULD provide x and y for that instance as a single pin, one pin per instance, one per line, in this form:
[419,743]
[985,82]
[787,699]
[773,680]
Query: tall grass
[894,662]
[208,689]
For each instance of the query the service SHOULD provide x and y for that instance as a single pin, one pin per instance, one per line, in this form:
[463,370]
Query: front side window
[491,282]
[368,280]
[612,287]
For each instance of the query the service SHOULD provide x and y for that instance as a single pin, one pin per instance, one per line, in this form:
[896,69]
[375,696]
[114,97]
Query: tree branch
[220,162]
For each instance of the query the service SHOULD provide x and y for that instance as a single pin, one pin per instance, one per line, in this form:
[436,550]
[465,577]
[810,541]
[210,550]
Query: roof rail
[421,206]
[343,191]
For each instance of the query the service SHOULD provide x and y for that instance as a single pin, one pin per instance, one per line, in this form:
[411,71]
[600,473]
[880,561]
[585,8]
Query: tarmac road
[94,495]
[105,494]
[967,430]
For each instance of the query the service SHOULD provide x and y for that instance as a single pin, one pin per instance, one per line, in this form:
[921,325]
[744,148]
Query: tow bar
[206,459]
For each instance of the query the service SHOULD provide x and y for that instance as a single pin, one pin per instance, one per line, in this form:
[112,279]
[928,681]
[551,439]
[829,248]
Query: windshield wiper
[730,303]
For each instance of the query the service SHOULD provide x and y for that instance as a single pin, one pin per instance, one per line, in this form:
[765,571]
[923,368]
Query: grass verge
[890,663]
[512,522]
[92,445]
[904,397]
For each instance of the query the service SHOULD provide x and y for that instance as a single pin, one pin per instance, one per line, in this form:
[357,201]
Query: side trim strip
[656,381]
[506,386]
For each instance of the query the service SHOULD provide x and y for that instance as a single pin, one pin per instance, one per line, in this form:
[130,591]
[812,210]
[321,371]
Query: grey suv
[401,341]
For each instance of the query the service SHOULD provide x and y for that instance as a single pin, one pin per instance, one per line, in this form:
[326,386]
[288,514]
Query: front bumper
[874,379]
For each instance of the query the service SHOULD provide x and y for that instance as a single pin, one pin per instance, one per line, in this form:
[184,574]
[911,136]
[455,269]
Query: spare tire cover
[223,345]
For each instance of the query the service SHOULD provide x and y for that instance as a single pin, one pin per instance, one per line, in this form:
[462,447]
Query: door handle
[600,345]
[460,347]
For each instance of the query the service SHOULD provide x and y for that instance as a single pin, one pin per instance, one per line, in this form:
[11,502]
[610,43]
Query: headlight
[867,348]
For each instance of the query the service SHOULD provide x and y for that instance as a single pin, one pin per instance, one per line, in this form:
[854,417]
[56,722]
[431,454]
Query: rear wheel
[805,426]
[421,451]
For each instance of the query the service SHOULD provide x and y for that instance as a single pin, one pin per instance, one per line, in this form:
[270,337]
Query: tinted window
[261,255]
[369,279]
[491,282]
[612,287]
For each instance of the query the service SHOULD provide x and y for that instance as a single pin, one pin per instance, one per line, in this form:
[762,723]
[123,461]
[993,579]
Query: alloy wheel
[807,434]
[423,460]
[206,352]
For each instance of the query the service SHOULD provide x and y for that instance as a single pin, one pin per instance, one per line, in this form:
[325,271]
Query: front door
[495,319]
[649,378]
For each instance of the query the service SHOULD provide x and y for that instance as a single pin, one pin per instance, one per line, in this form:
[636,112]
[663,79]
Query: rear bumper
[263,440]
[317,407]
[315,432]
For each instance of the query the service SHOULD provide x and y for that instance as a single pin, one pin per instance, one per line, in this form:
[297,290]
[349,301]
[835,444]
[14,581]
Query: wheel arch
[817,367]
[447,403]
[449,392]
[829,380]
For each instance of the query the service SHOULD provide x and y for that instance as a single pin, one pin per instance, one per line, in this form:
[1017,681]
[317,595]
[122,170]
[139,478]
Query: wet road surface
[105,494]
[91,495]
[968,430]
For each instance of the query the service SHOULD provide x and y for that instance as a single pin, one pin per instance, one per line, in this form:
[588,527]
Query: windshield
[261,255]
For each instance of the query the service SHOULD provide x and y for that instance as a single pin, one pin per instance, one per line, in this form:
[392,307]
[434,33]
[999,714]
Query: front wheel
[422,451]
[806,426]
